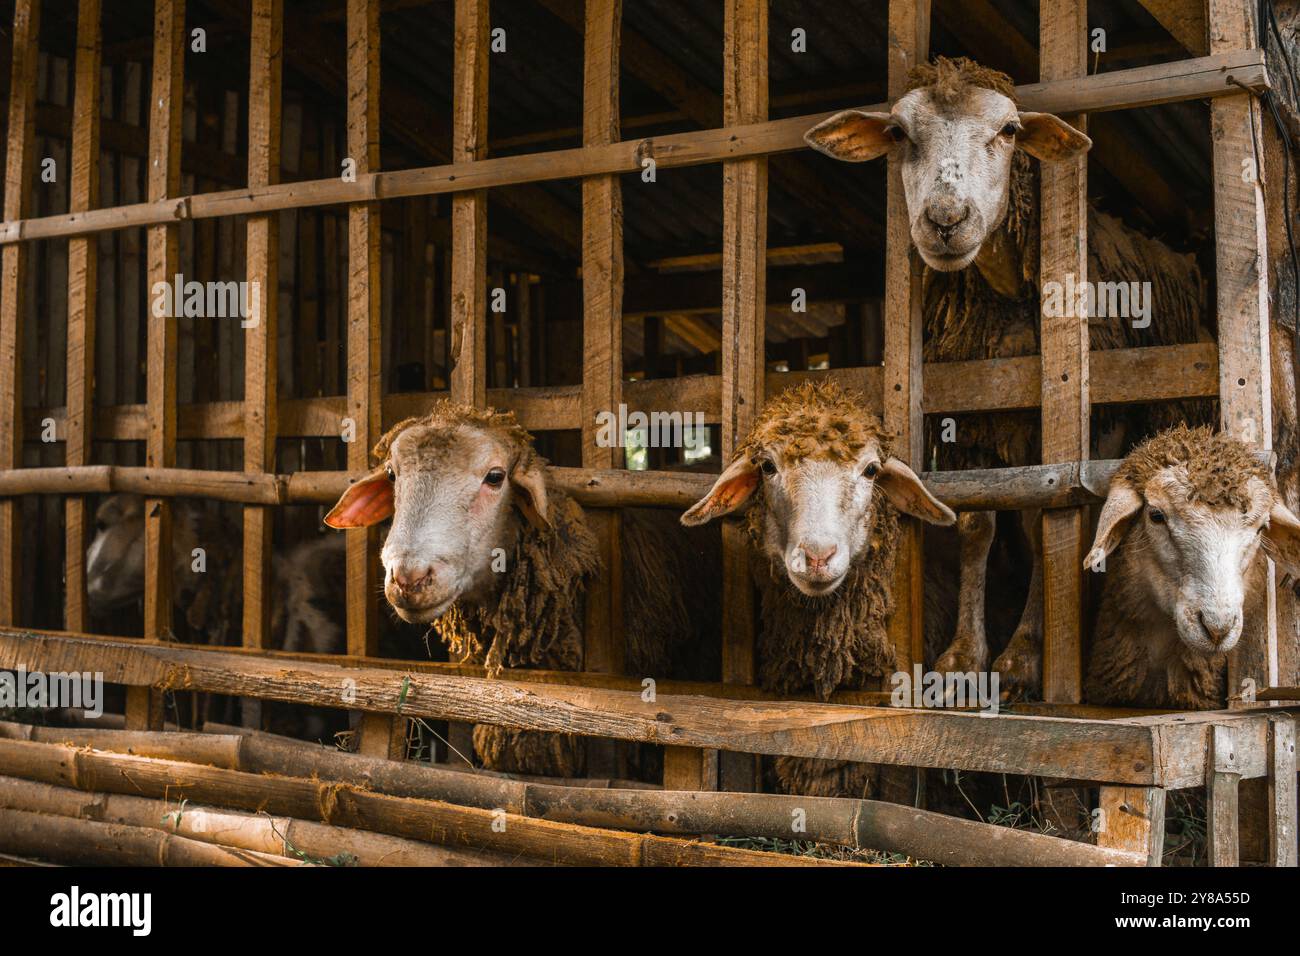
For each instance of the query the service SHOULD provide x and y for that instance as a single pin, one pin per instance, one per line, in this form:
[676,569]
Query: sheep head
[115,556]
[455,483]
[819,460]
[954,131]
[1193,509]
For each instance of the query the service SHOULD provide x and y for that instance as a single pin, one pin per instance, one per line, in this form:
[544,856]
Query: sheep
[972,199]
[822,493]
[486,549]
[1182,538]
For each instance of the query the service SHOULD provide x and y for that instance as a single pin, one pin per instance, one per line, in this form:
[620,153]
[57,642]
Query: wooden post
[1222,779]
[469,210]
[744,317]
[13,285]
[1281,803]
[1241,270]
[1133,819]
[83,262]
[260,372]
[166,97]
[909,44]
[378,734]
[467,354]
[602,338]
[1064,195]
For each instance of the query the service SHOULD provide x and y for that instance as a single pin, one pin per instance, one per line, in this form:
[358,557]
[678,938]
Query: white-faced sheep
[823,494]
[1182,538]
[485,548]
[972,199]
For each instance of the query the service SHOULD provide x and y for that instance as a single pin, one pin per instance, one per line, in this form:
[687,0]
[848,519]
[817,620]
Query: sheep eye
[494,478]
[768,466]
[1156,516]
[895,133]
[872,469]
[1011,129]
[388,470]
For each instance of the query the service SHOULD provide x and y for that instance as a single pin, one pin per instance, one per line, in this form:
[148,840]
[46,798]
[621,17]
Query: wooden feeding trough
[201,200]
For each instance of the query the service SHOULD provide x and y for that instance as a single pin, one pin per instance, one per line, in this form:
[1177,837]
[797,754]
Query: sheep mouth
[421,612]
[816,587]
[944,259]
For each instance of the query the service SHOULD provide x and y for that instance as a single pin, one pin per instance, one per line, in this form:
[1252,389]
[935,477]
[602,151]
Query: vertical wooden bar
[1241,270]
[83,262]
[167,94]
[1063,31]
[261,332]
[13,283]
[379,735]
[602,337]
[1133,819]
[1222,780]
[469,210]
[1281,803]
[467,351]
[744,318]
[909,44]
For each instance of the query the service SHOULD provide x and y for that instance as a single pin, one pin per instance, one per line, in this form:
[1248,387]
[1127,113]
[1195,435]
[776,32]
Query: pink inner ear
[367,502]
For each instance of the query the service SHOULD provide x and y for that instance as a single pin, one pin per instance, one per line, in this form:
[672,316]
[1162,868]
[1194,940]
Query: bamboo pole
[296,840]
[350,806]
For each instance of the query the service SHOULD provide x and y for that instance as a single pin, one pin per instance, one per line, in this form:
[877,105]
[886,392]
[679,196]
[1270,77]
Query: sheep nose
[946,217]
[410,579]
[819,555]
[1217,625]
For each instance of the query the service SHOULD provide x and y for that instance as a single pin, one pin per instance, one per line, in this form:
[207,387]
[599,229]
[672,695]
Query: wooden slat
[744,317]
[1064,236]
[908,45]
[260,391]
[363,373]
[1281,791]
[1222,783]
[1133,819]
[1241,281]
[13,284]
[83,262]
[469,209]
[1182,80]
[602,324]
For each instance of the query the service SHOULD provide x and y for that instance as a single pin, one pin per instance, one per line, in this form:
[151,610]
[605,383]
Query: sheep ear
[1050,138]
[852,136]
[366,502]
[732,490]
[1122,503]
[1283,533]
[908,494]
[529,481]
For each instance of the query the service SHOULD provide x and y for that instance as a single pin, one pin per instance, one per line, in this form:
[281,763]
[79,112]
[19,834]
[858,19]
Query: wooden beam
[83,262]
[908,45]
[744,316]
[1065,408]
[1222,782]
[263,246]
[1184,19]
[1241,270]
[1281,790]
[1132,819]
[1122,89]
[13,286]
[469,210]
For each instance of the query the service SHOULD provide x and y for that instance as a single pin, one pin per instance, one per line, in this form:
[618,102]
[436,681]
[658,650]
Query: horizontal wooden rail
[1145,751]
[1196,78]
[1118,377]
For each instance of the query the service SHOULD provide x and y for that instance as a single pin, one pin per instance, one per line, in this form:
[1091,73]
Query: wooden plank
[1241,281]
[83,263]
[469,209]
[1222,779]
[363,331]
[744,317]
[13,284]
[1064,345]
[1178,81]
[261,334]
[1184,19]
[1133,819]
[1281,789]
[908,45]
